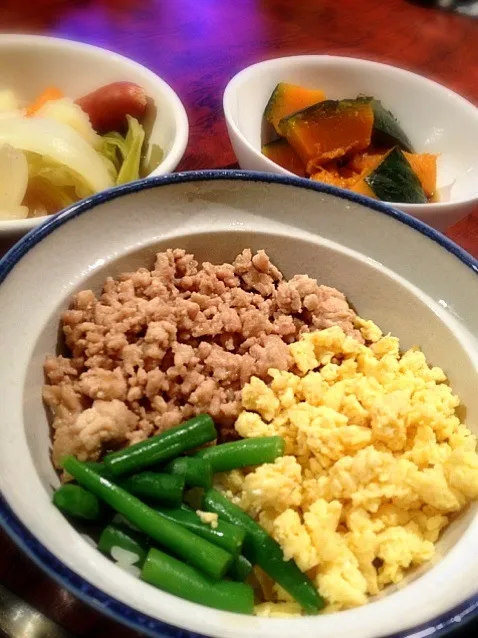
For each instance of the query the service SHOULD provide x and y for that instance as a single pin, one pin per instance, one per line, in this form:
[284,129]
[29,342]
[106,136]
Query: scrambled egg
[208,518]
[376,463]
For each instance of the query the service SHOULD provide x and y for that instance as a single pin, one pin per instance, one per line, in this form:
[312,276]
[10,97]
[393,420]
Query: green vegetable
[74,501]
[196,472]
[193,498]
[179,579]
[162,447]
[114,148]
[262,550]
[124,538]
[395,181]
[240,568]
[230,456]
[51,185]
[99,468]
[160,488]
[207,557]
[386,129]
[125,152]
[129,170]
[224,535]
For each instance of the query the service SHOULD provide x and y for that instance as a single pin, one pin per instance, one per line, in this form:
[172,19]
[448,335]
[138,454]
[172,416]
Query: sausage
[108,106]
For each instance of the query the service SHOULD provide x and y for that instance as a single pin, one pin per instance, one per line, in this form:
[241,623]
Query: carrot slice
[50,93]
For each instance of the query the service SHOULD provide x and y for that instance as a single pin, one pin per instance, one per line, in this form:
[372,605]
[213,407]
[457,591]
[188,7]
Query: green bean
[124,538]
[230,456]
[162,447]
[177,578]
[213,560]
[74,501]
[224,535]
[197,472]
[98,467]
[263,550]
[165,489]
[240,568]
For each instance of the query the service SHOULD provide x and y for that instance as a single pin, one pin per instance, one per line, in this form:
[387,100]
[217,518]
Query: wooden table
[197,46]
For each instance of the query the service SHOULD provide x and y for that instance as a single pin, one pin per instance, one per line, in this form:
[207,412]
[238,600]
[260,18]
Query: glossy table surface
[197,46]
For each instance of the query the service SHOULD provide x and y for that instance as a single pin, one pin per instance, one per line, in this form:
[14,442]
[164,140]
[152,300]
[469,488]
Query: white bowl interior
[343,244]
[28,64]
[435,119]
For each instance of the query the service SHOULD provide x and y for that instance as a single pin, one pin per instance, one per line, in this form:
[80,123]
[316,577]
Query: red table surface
[197,46]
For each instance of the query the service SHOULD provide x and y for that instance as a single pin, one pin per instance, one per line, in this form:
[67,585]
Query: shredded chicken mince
[160,346]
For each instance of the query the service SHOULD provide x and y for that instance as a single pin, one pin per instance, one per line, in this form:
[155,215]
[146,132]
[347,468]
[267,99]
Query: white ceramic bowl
[435,119]
[408,278]
[29,63]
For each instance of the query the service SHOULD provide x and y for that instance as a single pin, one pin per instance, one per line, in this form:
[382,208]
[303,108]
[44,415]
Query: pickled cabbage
[125,152]
[13,183]
[51,186]
[64,110]
[8,101]
[59,143]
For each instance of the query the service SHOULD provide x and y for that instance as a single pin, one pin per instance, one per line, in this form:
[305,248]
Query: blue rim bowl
[64,576]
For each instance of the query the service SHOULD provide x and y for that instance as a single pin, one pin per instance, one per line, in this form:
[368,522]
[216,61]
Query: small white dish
[395,270]
[30,63]
[436,120]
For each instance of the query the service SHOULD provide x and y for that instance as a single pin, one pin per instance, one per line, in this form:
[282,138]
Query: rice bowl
[198,203]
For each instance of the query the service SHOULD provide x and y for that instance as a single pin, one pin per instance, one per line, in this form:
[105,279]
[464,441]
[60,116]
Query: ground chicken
[158,347]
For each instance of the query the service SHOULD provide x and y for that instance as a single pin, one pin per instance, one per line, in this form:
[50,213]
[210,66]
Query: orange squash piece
[284,155]
[366,161]
[287,99]
[331,174]
[329,130]
[362,188]
[424,166]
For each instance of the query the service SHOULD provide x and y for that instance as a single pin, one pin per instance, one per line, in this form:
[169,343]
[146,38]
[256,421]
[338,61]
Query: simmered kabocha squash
[287,99]
[362,188]
[356,144]
[364,162]
[386,129]
[335,175]
[425,167]
[328,130]
[393,180]
[284,155]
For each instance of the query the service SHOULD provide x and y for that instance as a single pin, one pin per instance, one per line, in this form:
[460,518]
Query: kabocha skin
[393,180]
